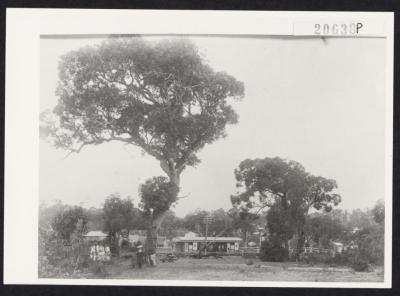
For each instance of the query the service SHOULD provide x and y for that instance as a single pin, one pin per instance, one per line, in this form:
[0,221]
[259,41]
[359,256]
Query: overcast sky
[321,103]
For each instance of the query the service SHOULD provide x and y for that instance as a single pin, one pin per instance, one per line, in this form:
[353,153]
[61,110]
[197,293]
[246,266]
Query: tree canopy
[324,228]
[70,220]
[160,96]
[264,182]
[157,194]
[244,221]
[287,190]
[378,211]
[118,214]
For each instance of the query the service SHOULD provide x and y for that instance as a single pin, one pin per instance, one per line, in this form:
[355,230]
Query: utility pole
[207,220]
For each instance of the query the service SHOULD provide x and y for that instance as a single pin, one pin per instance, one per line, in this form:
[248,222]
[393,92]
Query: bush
[339,259]
[370,243]
[370,249]
[272,250]
[315,258]
[353,259]
[249,262]
[59,257]
[360,264]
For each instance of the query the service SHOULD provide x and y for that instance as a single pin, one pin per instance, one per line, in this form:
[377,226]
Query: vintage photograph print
[212,158]
[210,154]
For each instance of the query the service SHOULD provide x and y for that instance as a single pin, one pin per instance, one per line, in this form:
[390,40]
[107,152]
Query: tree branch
[139,142]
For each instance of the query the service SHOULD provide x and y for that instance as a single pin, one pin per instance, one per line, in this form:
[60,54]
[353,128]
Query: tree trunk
[155,222]
[151,238]
[114,244]
[300,243]
[301,235]
[168,166]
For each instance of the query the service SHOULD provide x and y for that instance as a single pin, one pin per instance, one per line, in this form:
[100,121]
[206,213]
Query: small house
[192,244]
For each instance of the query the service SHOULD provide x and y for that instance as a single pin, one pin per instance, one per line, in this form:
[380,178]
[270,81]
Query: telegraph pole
[207,220]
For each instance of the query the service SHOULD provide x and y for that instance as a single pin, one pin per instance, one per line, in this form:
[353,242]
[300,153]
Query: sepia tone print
[212,158]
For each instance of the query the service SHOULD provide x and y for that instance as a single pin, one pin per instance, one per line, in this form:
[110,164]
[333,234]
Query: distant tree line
[119,214]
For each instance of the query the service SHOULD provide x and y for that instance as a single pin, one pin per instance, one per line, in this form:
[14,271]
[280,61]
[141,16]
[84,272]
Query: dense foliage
[245,222]
[287,190]
[361,231]
[325,228]
[272,250]
[118,214]
[62,249]
[157,194]
[68,221]
[263,182]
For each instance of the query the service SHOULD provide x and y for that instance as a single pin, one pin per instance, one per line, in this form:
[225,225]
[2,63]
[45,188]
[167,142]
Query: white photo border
[23,30]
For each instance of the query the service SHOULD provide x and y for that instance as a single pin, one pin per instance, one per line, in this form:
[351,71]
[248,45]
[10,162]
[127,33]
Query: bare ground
[236,269]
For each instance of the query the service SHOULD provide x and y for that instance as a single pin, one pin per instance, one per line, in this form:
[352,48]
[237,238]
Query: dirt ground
[235,268]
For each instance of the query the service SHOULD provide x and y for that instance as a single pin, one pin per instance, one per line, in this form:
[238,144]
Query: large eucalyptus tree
[160,96]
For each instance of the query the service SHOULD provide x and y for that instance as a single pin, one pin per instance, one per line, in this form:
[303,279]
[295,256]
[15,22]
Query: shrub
[370,243]
[315,258]
[339,259]
[250,255]
[370,248]
[272,250]
[59,257]
[249,262]
[360,264]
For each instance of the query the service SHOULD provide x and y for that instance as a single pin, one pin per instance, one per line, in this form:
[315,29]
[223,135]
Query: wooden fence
[309,250]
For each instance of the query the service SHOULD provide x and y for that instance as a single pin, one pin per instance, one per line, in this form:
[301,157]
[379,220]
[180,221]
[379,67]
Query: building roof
[191,234]
[209,239]
[95,233]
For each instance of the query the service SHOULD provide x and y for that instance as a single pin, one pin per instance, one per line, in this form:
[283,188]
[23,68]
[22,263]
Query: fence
[309,250]
[164,250]
[249,252]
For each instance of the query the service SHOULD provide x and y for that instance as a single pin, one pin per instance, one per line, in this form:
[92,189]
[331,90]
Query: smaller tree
[370,239]
[370,242]
[68,221]
[95,218]
[221,223]
[62,249]
[324,228]
[378,212]
[194,221]
[170,226]
[47,213]
[118,214]
[157,195]
[243,221]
